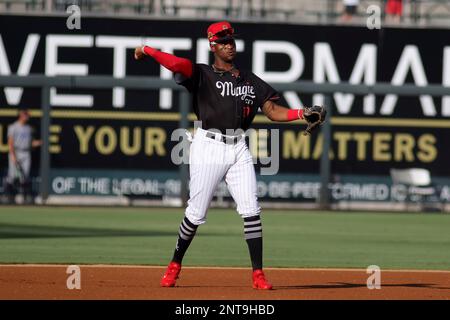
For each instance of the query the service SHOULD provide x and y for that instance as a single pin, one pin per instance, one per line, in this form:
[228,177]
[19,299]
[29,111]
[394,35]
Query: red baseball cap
[220,32]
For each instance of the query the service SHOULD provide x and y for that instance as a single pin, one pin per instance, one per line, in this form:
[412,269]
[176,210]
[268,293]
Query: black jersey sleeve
[264,91]
[191,84]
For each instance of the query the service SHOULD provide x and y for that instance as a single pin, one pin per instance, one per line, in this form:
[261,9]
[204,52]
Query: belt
[222,138]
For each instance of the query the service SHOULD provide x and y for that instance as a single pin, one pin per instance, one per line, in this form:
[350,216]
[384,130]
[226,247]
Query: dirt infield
[142,282]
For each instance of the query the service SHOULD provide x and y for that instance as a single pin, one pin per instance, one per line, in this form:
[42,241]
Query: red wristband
[294,114]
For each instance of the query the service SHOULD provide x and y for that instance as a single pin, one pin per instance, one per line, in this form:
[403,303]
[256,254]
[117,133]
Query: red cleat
[259,281]
[170,277]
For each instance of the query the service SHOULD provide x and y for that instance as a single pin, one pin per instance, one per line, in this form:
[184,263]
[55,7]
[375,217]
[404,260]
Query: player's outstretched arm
[36,143]
[167,60]
[278,113]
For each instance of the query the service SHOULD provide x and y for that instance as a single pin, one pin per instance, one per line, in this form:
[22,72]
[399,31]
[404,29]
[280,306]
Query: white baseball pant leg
[241,182]
[209,161]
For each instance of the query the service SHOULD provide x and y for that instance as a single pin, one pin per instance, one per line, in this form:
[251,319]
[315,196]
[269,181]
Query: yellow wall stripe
[174,116]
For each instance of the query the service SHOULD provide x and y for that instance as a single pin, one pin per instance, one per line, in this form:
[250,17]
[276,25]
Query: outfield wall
[117,142]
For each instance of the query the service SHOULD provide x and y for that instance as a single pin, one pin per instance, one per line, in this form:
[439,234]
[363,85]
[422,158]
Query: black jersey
[222,101]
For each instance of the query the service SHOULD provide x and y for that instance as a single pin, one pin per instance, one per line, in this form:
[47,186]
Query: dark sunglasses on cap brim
[224,40]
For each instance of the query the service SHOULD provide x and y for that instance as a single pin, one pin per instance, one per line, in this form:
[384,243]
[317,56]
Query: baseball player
[225,100]
[20,143]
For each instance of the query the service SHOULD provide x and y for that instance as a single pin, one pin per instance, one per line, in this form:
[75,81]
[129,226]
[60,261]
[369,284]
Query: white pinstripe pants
[209,162]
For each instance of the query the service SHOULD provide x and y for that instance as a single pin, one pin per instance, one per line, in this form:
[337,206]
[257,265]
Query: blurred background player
[350,9]
[394,10]
[20,143]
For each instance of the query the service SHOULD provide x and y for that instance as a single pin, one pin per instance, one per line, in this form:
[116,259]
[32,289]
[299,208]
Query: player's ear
[212,48]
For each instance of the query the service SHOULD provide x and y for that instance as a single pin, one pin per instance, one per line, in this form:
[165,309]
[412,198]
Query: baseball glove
[314,117]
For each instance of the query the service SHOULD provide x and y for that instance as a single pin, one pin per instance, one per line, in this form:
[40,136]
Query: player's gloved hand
[314,117]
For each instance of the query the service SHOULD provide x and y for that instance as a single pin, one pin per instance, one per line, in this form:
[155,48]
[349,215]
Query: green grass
[291,238]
